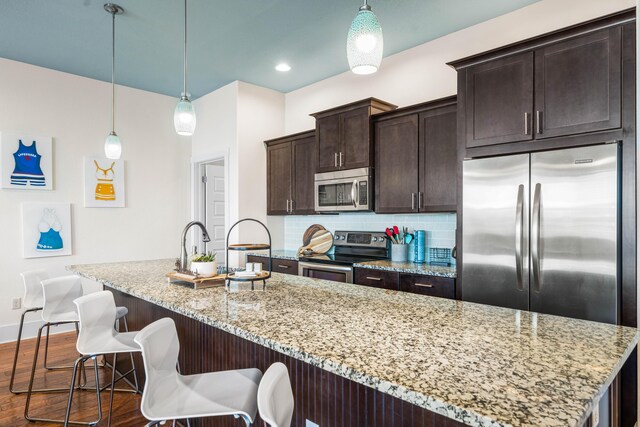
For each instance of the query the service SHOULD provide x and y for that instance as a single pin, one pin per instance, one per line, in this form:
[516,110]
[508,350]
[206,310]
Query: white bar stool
[33,301]
[57,309]
[168,395]
[275,396]
[97,314]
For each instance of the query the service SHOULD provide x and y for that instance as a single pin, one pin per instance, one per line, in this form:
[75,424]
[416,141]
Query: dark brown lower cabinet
[320,396]
[286,266]
[433,286]
[376,278]
[428,285]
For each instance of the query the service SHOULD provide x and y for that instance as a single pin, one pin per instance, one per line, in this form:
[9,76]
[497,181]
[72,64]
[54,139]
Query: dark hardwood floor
[126,406]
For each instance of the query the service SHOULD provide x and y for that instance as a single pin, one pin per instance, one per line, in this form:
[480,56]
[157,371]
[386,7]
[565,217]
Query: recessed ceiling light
[283,67]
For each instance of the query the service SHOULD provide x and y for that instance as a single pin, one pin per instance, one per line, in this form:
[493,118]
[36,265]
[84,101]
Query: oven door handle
[326,267]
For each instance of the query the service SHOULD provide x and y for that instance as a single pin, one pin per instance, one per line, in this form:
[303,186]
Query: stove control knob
[374,239]
[341,237]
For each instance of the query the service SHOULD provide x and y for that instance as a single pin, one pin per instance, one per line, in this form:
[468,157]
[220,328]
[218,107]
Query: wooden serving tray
[195,282]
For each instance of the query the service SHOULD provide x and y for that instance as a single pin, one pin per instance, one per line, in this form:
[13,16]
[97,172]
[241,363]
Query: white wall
[421,74]
[75,111]
[234,121]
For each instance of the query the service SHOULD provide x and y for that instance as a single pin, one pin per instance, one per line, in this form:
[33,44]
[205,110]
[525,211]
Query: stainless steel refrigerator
[541,232]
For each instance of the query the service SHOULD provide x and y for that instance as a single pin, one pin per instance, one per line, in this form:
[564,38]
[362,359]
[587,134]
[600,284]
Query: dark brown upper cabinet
[291,165]
[344,135]
[578,85]
[416,158]
[500,101]
[562,84]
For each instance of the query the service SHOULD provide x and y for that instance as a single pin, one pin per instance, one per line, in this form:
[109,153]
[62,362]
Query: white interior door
[214,205]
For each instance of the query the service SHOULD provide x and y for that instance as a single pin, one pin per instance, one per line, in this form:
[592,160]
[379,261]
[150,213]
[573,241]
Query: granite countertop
[410,267]
[402,267]
[478,364]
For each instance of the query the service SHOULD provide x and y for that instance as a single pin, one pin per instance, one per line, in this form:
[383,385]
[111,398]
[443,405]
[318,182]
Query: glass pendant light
[184,116]
[112,145]
[364,42]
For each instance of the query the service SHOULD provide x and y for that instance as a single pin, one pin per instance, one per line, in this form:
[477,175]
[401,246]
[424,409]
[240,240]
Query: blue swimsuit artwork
[27,166]
[50,227]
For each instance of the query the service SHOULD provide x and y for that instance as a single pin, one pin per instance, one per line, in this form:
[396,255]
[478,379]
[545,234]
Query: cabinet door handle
[377,279]
[341,159]
[291,204]
[287,209]
[419,199]
[539,122]
[413,201]
[284,266]
[423,285]
[335,160]
[526,123]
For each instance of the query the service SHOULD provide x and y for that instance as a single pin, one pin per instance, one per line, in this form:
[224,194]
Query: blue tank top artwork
[50,227]
[27,169]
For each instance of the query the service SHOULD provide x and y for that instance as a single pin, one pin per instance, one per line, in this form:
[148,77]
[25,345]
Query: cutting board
[306,237]
[320,243]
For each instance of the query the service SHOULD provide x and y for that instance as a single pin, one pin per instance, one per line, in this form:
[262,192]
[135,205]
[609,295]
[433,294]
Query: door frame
[196,185]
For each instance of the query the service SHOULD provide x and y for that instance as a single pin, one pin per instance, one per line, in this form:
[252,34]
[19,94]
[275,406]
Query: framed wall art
[26,161]
[104,185]
[46,229]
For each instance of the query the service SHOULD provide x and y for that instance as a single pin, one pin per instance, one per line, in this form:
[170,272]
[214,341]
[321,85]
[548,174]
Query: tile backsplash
[440,228]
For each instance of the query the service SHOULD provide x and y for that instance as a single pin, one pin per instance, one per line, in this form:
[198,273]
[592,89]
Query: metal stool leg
[15,357]
[133,363]
[113,380]
[31,390]
[66,421]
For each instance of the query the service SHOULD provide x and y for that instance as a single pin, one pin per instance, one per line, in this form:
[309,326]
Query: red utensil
[390,234]
[396,231]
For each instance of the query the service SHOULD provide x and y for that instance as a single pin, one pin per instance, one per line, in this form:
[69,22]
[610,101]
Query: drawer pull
[423,285]
[374,278]
[283,266]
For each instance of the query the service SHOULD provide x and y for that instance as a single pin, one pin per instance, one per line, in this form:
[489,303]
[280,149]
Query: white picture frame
[46,229]
[104,183]
[26,161]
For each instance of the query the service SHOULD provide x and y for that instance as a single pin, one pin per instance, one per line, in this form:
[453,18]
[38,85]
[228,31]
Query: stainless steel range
[350,247]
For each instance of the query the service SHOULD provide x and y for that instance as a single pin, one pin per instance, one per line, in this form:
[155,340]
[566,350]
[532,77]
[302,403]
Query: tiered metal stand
[261,277]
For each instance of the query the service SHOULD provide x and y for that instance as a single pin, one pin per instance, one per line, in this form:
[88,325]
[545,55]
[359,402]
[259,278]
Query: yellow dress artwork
[104,188]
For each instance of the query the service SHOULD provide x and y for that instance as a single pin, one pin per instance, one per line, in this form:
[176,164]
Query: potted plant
[204,265]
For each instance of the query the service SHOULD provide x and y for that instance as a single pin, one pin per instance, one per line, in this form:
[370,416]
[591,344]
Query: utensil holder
[399,252]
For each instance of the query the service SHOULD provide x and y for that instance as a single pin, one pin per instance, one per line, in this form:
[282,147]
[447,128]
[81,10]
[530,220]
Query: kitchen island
[361,356]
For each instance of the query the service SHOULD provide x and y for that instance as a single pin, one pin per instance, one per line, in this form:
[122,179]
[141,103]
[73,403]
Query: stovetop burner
[352,247]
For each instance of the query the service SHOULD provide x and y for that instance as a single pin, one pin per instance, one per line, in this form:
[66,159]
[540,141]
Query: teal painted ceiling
[228,39]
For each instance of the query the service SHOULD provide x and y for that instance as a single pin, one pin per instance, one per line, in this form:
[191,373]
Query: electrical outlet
[310,423]
[16,303]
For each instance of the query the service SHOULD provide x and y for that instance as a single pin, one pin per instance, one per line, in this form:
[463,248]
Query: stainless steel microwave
[344,191]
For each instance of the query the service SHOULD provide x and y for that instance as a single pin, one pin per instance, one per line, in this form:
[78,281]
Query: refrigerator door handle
[535,238]
[519,236]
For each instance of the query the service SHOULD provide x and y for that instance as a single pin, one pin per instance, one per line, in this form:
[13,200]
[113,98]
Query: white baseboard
[9,333]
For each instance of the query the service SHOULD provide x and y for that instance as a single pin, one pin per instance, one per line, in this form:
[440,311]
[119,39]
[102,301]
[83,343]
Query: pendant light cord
[113,72]
[184,88]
